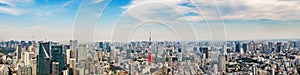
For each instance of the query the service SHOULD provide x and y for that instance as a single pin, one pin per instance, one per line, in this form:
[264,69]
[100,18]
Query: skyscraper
[205,51]
[68,56]
[58,57]
[25,70]
[278,47]
[106,47]
[245,47]
[179,54]
[128,53]
[101,45]
[82,52]
[237,47]
[26,58]
[160,49]
[271,46]
[55,68]
[19,52]
[43,60]
[224,49]
[73,44]
[34,66]
[74,47]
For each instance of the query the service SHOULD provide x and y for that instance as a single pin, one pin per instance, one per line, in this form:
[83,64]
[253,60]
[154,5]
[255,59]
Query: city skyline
[243,20]
[149,37]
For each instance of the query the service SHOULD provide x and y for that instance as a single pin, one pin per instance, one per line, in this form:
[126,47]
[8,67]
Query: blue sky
[123,20]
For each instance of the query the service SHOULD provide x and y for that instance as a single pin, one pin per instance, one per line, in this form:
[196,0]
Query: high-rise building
[245,47]
[271,46]
[255,45]
[100,54]
[33,66]
[73,54]
[66,47]
[250,46]
[265,48]
[179,54]
[55,68]
[43,60]
[128,53]
[101,45]
[160,49]
[74,48]
[65,72]
[278,47]
[25,70]
[26,58]
[224,49]
[22,55]
[81,71]
[205,51]
[106,47]
[58,57]
[4,70]
[82,55]
[113,52]
[68,56]
[74,44]
[237,47]
[72,63]
[19,51]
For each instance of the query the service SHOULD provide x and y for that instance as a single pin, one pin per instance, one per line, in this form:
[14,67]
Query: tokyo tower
[149,50]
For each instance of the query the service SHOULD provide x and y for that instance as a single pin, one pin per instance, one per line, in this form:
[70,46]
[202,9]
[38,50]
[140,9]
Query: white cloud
[156,14]
[233,10]
[13,6]
[156,10]
[11,11]
[7,3]
[165,11]
[20,7]
[98,1]
[253,9]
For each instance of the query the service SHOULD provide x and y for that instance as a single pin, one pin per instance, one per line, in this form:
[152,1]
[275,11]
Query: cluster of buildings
[150,58]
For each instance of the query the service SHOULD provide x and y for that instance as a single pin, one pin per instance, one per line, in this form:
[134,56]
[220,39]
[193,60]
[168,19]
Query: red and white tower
[149,50]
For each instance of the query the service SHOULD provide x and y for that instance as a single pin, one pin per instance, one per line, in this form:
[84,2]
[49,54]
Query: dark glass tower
[245,47]
[238,47]
[278,47]
[43,60]
[101,45]
[57,56]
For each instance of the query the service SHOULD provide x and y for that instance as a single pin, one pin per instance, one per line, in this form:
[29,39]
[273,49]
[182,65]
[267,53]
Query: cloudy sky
[128,20]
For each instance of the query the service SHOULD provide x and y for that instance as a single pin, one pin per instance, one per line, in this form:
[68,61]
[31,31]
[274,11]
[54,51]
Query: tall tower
[224,52]
[43,58]
[149,50]
[57,57]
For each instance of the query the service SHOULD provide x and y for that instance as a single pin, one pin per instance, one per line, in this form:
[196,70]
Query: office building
[82,52]
[58,57]
[43,60]
[55,68]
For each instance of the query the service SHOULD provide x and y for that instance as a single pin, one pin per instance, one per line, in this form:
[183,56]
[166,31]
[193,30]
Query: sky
[131,20]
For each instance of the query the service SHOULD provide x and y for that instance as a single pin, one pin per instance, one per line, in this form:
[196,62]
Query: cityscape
[149,37]
[260,57]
